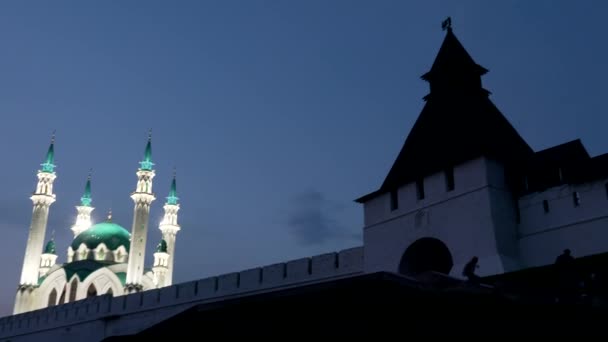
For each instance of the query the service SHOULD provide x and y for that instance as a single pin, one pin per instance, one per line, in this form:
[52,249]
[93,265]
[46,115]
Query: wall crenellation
[260,278]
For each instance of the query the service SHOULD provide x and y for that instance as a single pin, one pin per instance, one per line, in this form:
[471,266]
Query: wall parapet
[312,269]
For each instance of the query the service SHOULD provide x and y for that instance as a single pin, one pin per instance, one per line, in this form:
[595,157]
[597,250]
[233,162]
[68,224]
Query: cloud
[313,218]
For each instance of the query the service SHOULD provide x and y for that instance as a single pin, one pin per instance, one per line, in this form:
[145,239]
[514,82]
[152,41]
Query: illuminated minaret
[48,258]
[169,228]
[83,220]
[143,197]
[161,261]
[42,199]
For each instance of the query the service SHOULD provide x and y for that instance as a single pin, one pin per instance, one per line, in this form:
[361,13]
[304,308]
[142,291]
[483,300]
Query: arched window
[110,292]
[53,298]
[92,291]
[62,297]
[73,288]
[101,254]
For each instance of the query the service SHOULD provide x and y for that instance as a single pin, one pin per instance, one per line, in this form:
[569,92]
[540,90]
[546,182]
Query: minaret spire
[83,220]
[49,162]
[169,228]
[42,199]
[143,197]
[147,163]
[86,200]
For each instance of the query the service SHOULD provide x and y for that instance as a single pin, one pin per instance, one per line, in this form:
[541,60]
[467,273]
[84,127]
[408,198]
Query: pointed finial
[147,163]
[162,246]
[109,215]
[174,172]
[49,162]
[50,246]
[172,198]
[86,200]
[446,24]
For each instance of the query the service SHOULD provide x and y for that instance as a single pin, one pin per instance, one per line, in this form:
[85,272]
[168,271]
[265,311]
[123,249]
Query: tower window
[606,186]
[576,198]
[546,206]
[420,189]
[449,179]
[394,200]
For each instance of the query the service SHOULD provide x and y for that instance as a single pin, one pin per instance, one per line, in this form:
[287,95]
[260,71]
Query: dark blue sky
[276,114]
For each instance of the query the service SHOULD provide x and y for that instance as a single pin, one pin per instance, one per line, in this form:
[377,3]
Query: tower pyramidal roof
[458,122]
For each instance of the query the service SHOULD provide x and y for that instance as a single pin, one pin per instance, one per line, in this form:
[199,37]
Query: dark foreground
[381,305]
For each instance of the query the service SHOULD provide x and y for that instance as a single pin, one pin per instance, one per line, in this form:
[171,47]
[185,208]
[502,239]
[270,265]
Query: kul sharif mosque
[103,258]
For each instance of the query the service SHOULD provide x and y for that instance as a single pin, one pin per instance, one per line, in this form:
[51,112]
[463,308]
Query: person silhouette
[469,270]
[566,276]
[565,259]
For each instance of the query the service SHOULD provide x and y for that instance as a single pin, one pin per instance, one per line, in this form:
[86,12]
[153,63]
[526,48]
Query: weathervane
[446,24]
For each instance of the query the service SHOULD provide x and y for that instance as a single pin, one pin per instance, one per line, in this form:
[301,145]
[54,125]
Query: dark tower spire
[458,122]
[454,71]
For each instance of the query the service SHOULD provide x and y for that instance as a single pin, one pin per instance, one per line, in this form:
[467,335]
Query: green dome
[111,234]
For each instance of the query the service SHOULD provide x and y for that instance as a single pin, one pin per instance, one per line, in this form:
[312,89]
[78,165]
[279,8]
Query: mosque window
[546,206]
[52,298]
[62,297]
[73,289]
[91,291]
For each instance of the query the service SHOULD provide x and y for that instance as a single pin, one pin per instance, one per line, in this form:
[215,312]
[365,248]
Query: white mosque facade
[103,258]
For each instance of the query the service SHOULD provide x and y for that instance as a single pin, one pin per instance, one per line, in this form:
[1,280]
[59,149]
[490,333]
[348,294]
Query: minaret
[83,220]
[143,198]
[169,228]
[161,262]
[42,199]
[48,258]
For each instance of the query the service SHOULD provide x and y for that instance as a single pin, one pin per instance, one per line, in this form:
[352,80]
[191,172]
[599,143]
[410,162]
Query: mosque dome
[111,234]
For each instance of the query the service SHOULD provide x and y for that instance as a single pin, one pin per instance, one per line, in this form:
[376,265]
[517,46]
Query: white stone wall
[96,318]
[583,228]
[468,219]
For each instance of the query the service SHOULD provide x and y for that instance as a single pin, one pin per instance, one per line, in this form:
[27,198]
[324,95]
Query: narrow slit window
[576,199]
[449,179]
[420,189]
[546,206]
[394,200]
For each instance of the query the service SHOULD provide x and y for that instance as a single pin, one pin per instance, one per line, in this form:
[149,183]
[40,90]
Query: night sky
[276,114]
